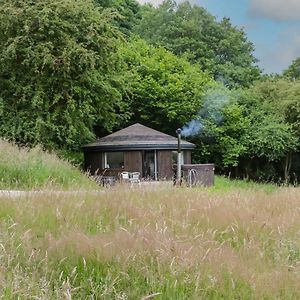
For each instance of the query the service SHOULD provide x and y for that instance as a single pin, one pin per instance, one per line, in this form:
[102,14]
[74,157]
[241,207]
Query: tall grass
[23,168]
[223,185]
[145,243]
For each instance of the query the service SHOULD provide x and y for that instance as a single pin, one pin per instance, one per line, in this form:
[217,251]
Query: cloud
[286,49]
[278,10]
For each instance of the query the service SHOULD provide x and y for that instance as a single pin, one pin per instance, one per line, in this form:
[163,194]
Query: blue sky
[273,26]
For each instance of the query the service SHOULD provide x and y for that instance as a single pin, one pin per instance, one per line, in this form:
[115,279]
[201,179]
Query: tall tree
[293,71]
[165,91]
[224,124]
[219,47]
[128,13]
[246,132]
[280,96]
[273,107]
[57,71]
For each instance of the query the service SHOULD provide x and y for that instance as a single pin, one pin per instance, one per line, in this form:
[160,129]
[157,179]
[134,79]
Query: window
[114,160]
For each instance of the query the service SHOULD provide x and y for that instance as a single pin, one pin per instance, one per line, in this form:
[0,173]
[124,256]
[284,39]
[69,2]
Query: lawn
[233,241]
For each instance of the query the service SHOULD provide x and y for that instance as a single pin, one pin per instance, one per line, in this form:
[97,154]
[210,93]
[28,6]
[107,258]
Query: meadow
[233,241]
[27,169]
[67,238]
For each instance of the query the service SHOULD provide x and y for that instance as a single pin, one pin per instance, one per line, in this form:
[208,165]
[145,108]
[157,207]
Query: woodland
[74,70]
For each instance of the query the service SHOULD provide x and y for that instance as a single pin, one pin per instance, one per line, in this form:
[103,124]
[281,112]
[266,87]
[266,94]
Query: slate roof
[136,137]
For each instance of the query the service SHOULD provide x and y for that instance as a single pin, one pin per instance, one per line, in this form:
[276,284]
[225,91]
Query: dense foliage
[218,47]
[293,71]
[71,69]
[57,71]
[249,134]
[164,90]
[128,12]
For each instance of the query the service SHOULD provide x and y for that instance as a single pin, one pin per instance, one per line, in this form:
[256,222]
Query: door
[150,165]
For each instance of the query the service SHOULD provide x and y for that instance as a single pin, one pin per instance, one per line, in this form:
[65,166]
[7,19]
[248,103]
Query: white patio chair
[124,176]
[135,177]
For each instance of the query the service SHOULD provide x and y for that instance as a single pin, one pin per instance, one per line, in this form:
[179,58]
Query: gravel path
[19,194]
[13,194]
[144,184]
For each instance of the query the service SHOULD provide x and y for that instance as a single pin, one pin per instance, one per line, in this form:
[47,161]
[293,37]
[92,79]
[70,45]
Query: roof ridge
[136,132]
[138,135]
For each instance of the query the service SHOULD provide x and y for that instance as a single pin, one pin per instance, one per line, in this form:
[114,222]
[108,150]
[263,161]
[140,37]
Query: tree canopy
[58,69]
[293,71]
[128,13]
[218,47]
[164,91]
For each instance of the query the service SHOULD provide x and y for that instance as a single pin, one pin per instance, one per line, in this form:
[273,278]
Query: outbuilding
[136,148]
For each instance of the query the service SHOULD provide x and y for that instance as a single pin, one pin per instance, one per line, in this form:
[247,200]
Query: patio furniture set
[108,180]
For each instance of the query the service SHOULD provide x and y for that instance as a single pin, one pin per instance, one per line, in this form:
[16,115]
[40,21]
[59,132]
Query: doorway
[150,165]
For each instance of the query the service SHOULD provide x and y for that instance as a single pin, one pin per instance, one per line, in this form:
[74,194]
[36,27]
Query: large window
[114,160]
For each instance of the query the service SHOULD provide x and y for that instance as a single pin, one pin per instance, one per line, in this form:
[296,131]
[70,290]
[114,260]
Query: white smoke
[192,128]
[214,101]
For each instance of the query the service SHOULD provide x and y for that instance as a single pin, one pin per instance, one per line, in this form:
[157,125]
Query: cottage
[137,148]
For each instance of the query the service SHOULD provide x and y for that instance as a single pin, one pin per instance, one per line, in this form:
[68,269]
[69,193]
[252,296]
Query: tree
[232,142]
[244,132]
[57,72]
[218,47]
[224,124]
[165,91]
[278,96]
[128,13]
[273,140]
[273,108]
[293,71]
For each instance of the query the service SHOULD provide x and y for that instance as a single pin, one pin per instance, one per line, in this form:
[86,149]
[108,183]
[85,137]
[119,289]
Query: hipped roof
[136,137]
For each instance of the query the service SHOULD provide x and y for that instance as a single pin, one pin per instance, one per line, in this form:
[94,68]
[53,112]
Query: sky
[273,26]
